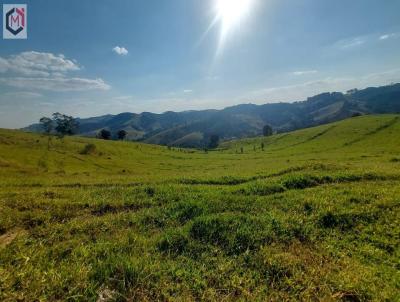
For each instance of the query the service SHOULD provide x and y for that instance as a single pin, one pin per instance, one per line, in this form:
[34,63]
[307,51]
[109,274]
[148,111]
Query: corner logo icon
[15,23]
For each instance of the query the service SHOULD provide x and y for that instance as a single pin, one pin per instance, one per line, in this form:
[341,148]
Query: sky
[90,58]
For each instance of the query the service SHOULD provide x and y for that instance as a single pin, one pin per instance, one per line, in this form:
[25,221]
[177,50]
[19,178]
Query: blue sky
[88,58]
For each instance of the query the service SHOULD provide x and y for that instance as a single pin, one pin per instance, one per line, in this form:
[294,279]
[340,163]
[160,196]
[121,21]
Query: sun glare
[230,12]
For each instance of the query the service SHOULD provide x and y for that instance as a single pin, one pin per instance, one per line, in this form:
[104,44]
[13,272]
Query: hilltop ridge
[194,128]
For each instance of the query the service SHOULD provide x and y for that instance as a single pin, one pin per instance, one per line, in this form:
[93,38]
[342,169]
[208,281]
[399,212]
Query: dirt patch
[8,237]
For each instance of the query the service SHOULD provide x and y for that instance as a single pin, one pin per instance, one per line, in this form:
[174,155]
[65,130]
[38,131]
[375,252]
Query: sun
[230,12]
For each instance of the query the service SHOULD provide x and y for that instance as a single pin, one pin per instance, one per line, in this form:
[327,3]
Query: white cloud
[46,71]
[32,63]
[389,36]
[350,43]
[355,42]
[187,91]
[56,84]
[304,72]
[120,50]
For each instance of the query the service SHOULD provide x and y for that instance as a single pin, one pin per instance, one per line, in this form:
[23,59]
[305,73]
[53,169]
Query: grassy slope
[313,216]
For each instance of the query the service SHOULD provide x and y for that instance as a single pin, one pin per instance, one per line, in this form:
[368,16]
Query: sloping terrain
[306,215]
[172,128]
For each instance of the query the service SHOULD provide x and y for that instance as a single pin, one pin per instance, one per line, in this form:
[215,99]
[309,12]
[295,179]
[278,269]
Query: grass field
[313,216]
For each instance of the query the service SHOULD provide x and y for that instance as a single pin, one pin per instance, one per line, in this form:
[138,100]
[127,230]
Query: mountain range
[194,128]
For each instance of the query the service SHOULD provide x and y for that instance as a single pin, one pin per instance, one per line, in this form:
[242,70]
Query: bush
[88,149]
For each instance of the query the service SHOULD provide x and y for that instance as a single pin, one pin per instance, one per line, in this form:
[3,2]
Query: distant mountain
[194,128]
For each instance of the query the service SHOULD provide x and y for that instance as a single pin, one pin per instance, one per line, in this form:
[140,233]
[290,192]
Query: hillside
[193,128]
[313,215]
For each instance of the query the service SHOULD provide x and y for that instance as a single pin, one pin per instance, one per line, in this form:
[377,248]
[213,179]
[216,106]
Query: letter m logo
[14,21]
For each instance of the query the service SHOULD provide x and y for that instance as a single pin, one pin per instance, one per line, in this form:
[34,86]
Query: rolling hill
[194,128]
[311,216]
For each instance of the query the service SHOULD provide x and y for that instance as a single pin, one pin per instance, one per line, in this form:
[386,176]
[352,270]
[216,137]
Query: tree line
[106,134]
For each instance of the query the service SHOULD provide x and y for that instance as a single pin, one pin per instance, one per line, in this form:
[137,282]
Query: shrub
[88,149]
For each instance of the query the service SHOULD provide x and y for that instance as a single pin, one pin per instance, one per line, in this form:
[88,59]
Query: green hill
[313,215]
[194,128]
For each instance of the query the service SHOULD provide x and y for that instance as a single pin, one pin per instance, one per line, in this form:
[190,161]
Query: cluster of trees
[60,125]
[214,141]
[106,134]
[267,130]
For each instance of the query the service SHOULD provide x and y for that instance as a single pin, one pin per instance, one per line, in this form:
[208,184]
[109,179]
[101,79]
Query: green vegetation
[307,215]
[192,129]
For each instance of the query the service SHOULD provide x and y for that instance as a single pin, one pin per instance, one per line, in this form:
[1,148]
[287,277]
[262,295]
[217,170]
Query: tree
[47,125]
[267,130]
[214,141]
[352,91]
[104,134]
[121,134]
[65,125]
